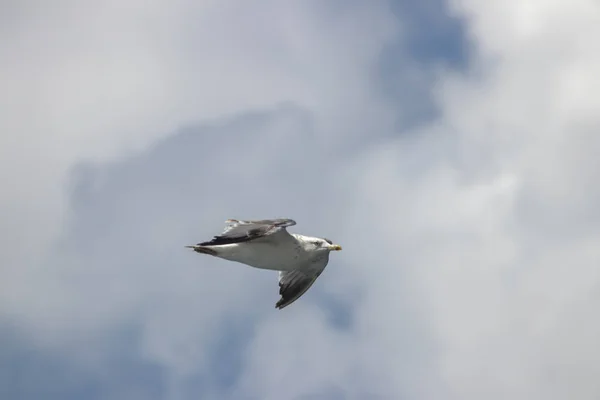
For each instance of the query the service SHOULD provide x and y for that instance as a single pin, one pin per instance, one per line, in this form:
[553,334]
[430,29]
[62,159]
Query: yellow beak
[335,247]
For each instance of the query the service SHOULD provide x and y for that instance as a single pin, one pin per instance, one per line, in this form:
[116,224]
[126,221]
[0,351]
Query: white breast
[265,255]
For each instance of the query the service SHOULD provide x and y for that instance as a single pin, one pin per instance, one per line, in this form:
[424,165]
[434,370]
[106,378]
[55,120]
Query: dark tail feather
[202,250]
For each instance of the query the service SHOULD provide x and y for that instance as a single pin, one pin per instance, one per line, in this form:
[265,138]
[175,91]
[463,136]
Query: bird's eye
[328,241]
[316,243]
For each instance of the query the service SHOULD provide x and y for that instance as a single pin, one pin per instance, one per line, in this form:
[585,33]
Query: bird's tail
[202,250]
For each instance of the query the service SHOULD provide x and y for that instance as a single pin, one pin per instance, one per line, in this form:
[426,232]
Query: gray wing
[244,231]
[293,284]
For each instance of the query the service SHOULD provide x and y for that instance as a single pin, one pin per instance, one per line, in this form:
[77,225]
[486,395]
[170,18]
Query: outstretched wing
[244,231]
[293,284]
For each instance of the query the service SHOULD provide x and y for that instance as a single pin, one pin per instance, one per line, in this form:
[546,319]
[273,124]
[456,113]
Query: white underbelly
[261,255]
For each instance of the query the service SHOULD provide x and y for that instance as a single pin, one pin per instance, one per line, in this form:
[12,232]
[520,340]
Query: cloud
[97,81]
[509,281]
[469,224]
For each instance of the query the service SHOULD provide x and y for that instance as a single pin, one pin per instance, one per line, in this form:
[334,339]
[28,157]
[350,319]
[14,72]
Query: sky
[450,147]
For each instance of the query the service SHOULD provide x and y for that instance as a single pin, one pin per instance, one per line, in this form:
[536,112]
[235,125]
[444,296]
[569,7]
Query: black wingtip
[280,306]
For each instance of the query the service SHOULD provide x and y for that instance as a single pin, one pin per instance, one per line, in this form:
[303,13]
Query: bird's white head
[320,244]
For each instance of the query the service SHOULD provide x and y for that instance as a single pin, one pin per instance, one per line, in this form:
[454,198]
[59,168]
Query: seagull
[266,244]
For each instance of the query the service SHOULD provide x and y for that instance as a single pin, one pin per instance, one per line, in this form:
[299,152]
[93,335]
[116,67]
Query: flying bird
[266,244]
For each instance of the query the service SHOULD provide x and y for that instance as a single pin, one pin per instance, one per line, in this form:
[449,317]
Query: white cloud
[94,80]
[497,231]
[481,281]
[507,226]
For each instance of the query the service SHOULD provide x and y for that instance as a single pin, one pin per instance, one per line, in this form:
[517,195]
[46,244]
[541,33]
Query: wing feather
[243,231]
[293,284]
